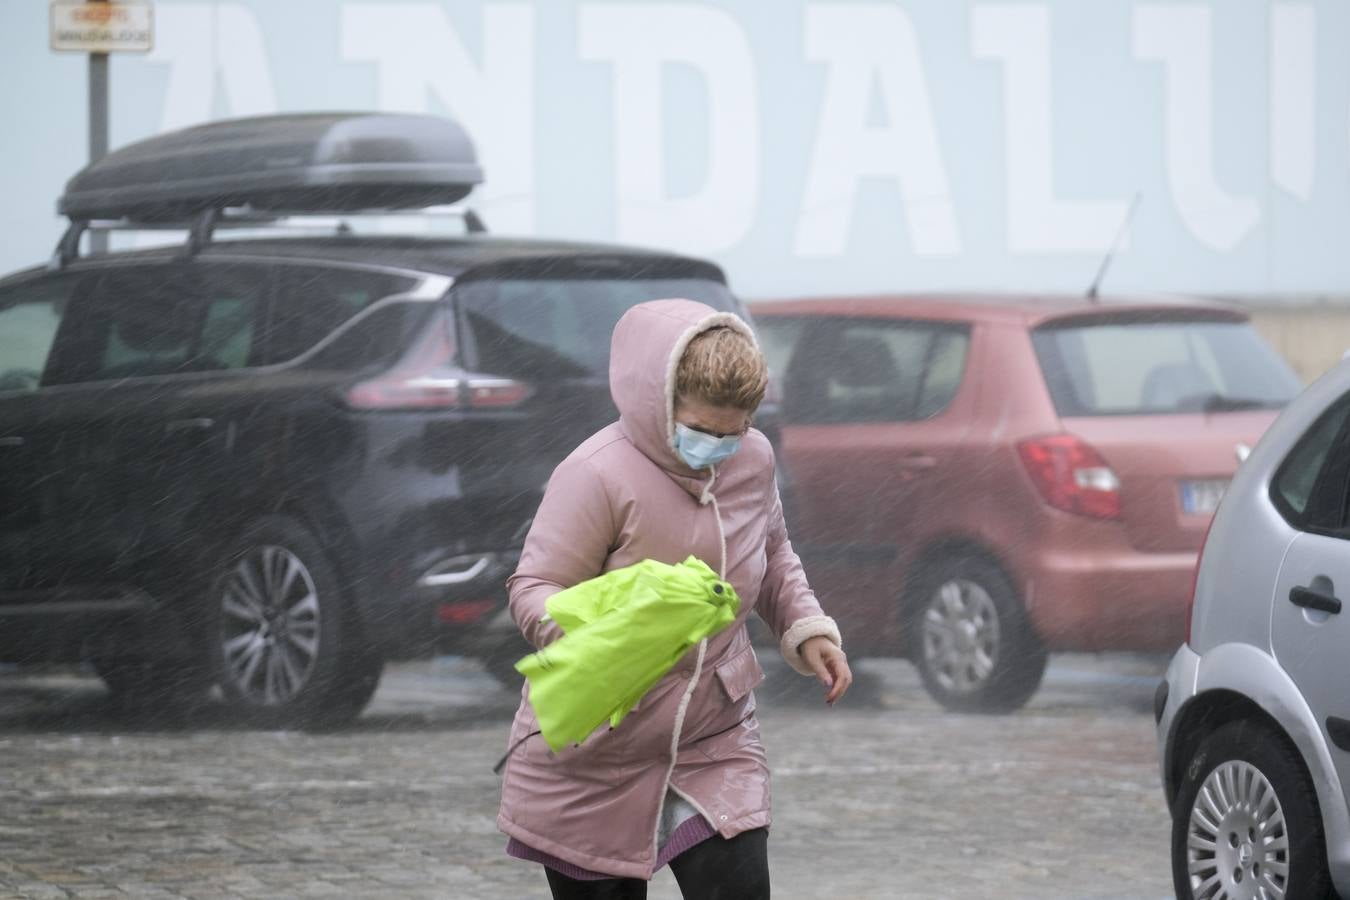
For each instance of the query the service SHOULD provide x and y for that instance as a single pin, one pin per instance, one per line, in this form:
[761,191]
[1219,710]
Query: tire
[970,639]
[1246,817]
[284,645]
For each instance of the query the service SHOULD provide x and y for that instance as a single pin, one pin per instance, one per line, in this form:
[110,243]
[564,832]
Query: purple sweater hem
[690,833]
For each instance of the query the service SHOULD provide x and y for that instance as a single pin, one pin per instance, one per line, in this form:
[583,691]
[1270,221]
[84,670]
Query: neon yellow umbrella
[622,632]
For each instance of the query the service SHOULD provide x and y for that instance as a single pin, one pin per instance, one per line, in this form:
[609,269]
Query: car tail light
[423,381]
[487,393]
[1190,604]
[391,392]
[1072,476]
[1195,580]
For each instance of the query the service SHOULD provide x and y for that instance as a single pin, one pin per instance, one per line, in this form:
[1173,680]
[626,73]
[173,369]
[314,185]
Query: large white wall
[810,147]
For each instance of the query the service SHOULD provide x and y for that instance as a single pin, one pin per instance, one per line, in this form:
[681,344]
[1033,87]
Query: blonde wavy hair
[723,367]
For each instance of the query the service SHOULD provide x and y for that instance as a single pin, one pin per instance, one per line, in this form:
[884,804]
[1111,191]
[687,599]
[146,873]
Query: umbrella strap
[501,763]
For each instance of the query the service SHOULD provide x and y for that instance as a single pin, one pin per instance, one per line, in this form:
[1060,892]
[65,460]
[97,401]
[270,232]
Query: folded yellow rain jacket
[622,632]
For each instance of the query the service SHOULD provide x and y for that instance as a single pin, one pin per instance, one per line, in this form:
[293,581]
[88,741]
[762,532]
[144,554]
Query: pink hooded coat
[621,497]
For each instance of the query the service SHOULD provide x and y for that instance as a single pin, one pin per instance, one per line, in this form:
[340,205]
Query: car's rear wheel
[1246,822]
[285,647]
[970,639]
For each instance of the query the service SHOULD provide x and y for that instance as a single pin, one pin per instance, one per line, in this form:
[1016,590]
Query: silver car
[1254,712]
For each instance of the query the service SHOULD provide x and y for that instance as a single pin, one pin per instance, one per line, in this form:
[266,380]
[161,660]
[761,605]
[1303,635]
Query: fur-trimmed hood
[643,388]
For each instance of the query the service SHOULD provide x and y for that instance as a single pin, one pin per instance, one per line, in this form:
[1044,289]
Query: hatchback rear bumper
[1177,688]
[1118,599]
[447,609]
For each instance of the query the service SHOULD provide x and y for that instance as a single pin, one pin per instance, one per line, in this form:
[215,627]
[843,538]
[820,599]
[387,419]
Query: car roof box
[312,162]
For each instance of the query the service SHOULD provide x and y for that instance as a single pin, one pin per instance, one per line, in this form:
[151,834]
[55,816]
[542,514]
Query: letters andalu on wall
[808,146]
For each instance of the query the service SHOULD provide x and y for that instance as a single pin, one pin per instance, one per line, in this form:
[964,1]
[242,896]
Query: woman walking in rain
[683,779]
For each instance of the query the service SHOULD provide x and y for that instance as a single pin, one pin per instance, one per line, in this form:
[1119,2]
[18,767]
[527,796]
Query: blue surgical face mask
[700,450]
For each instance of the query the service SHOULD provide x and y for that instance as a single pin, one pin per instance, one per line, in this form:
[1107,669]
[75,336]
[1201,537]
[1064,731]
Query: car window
[1161,367]
[536,328]
[778,336]
[1310,486]
[375,339]
[229,329]
[158,321]
[943,373]
[312,302]
[30,314]
[860,370]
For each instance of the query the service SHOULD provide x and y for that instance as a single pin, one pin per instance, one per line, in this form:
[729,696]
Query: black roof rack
[248,172]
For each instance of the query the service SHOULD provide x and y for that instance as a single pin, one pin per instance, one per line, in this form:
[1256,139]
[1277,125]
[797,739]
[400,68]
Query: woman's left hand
[830,665]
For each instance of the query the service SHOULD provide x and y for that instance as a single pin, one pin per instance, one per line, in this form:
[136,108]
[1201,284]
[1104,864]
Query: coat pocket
[740,674]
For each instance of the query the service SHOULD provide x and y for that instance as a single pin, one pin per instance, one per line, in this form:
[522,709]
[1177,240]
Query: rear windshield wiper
[1220,403]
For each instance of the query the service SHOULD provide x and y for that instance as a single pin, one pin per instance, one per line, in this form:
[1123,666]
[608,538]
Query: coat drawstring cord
[706,498]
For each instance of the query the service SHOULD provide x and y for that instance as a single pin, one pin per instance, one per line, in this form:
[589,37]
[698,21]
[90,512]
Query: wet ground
[883,796]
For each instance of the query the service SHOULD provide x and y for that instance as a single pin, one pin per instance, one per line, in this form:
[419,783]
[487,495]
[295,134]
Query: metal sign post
[98,126]
[100,27]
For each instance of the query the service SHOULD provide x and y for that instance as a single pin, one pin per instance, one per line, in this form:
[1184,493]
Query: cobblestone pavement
[883,796]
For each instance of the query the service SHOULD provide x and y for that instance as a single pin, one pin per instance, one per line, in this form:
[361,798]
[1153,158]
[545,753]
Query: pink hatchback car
[977,480]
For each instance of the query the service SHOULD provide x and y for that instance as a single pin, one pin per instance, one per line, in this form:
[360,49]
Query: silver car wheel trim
[270,626]
[961,636]
[1236,843]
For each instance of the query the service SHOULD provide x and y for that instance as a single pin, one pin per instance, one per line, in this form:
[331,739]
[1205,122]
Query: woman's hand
[830,665]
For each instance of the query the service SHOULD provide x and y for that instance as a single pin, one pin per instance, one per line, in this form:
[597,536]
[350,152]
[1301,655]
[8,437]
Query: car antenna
[1115,245]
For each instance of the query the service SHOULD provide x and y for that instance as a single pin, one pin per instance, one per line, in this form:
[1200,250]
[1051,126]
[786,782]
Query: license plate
[1202,497]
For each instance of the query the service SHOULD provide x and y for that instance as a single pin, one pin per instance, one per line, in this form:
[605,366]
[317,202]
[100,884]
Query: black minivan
[274,463]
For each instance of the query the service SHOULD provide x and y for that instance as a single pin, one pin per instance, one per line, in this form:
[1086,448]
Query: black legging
[715,869]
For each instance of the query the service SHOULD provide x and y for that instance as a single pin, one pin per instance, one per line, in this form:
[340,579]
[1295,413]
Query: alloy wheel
[270,625]
[961,636]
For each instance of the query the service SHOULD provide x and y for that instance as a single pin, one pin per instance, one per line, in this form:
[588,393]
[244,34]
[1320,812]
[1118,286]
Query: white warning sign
[102,27]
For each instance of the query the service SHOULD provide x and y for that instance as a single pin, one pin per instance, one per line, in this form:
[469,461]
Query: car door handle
[1307,597]
[918,461]
[178,425]
[11,441]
